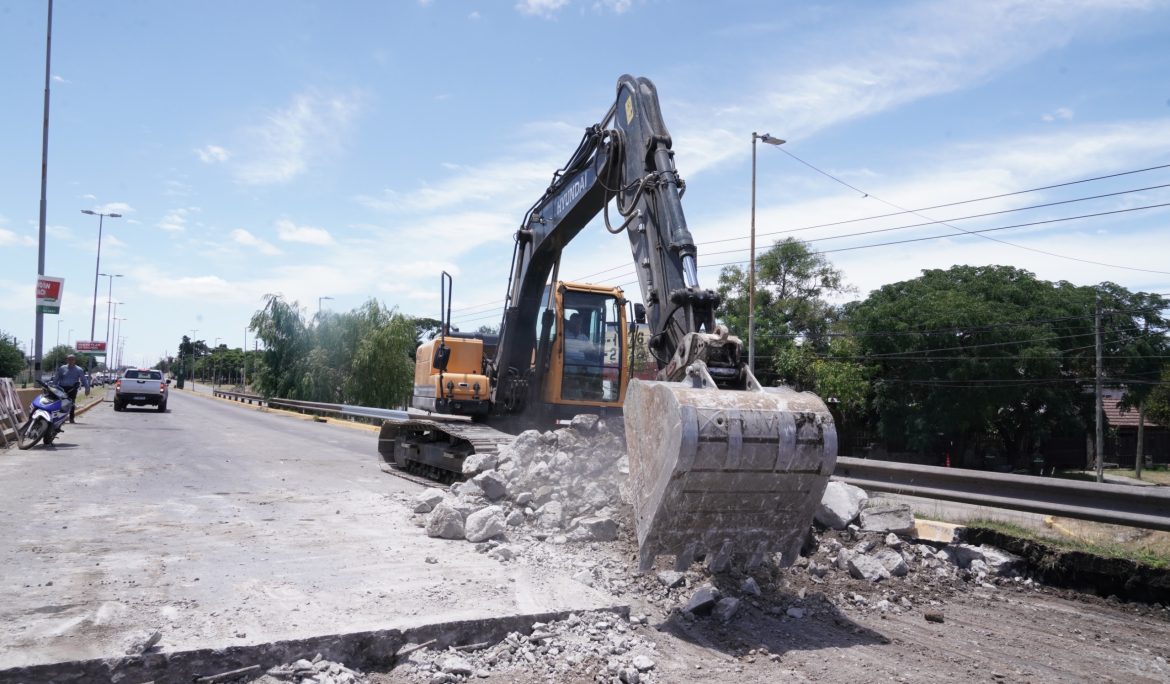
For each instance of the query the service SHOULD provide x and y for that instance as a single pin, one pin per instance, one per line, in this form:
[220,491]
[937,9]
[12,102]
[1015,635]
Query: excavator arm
[625,159]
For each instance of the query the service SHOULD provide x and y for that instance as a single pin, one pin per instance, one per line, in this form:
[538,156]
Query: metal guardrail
[240,397]
[1136,506]
[346,410]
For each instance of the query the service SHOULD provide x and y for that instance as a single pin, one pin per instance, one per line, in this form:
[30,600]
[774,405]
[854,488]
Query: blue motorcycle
[46,415]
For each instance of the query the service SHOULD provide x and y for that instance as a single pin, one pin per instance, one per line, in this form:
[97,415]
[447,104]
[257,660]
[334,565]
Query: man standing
[69,377]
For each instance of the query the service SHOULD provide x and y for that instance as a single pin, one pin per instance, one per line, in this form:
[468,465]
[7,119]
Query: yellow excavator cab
[589,365]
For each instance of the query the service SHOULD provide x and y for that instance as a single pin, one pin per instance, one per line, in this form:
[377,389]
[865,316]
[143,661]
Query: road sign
[94,346]
[49,292]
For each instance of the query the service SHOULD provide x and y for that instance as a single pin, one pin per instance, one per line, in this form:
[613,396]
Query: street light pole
[40,320]
[244,371]
[191,374]
[319,305]
[109,303]
[752,269]
[59,321]
[97,267]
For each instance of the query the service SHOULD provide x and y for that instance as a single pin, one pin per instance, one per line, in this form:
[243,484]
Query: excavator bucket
[730,474]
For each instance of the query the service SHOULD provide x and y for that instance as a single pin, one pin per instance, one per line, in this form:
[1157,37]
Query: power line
[902,211]
[970,232]
[940,206]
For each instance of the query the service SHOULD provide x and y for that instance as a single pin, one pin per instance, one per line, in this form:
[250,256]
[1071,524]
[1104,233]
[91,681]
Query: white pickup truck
[141,387]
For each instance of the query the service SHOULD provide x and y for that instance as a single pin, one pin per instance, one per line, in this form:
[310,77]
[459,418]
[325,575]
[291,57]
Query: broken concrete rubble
[484,524]
[445,522]
[840,505]
[427,499]
[703,601]
[882,515]
[578,648]
[315,671]
[492,483]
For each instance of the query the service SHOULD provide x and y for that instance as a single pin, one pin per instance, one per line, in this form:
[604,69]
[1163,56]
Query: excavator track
[436,449]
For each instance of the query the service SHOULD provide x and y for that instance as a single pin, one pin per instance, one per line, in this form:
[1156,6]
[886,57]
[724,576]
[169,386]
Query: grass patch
[1109,541]
[1160,475]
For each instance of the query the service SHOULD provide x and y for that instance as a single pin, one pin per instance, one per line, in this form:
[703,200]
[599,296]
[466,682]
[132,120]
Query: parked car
[141,387]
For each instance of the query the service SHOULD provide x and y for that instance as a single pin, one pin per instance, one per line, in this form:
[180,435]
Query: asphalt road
[224,526]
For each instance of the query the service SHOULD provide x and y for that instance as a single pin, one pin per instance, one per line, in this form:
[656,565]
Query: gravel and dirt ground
[938,616]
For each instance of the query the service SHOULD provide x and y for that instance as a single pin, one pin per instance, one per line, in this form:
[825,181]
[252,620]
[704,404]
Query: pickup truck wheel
[117,405]
[162,407]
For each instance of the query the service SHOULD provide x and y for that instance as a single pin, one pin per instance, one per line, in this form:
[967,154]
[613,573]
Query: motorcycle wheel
[49,436]
[32,434]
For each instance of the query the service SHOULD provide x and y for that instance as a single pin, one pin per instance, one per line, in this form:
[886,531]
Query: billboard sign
[49,291]
[94,346]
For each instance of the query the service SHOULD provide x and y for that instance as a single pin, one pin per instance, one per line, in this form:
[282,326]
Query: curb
[365,650]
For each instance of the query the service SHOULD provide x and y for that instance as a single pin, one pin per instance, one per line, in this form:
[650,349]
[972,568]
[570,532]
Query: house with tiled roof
[1121,438]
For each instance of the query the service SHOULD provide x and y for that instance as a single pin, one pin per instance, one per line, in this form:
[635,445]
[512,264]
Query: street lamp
[97,266]
[109,302]
[244,368]
[319,304]
[59,322]
[752,270]
[191,371]
[117,331]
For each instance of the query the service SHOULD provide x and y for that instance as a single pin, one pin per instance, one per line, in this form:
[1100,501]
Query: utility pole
[1100,444]
[1140,458]
[192,373]
[40,323]
[244,369]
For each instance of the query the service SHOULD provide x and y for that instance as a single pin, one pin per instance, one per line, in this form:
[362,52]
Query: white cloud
[1058,113]
[474,16]
[245,238]
[312,126]
[942,50]
[540,8]
[615,6]
[290,232]
[515,181]
[60,79]
[9,238]
[114,208]
[175,221]
[88,197]
[212,154]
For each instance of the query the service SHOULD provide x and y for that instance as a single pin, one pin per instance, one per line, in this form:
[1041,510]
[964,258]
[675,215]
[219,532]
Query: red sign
[49,294]
[48,288]
[91,346]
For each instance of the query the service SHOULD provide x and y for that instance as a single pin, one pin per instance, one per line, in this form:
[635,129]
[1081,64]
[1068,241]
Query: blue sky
[355,150]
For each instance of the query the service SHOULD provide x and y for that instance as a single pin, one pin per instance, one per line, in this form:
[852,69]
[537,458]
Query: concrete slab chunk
[445,522]
[840,505]
[937,531]
[881,515]
[485,524]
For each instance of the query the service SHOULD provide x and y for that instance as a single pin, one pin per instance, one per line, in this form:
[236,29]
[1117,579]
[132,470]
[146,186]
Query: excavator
[719,465]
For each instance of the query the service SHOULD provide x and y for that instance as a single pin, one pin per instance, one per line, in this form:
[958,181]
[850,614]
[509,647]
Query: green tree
[383,364]
[973,354]
[280,325]
[12,360]
[792,286]
[55,357]
[1158,401]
